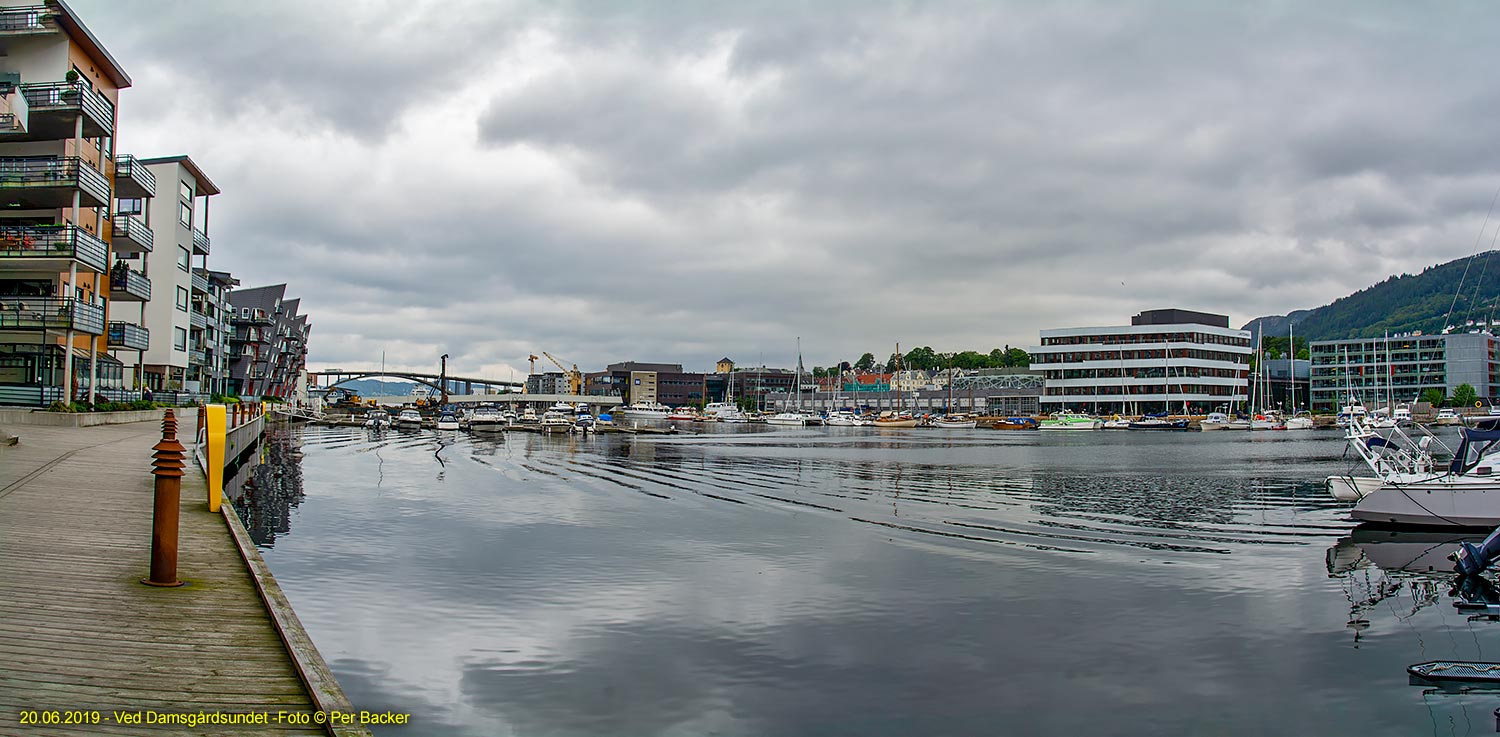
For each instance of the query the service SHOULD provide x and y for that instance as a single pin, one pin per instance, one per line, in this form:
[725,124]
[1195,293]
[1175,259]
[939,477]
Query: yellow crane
[575,377]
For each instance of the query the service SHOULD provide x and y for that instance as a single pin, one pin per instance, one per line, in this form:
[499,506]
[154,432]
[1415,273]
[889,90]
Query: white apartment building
[1166,360]
[178,220]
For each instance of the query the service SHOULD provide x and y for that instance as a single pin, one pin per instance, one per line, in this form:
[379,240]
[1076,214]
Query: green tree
[1433,397]
[1464,396]
[865,362]
[1017,357]
[996,358]
[819,372]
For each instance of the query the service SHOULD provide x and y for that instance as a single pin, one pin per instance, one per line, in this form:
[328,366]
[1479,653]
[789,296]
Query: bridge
[462,384]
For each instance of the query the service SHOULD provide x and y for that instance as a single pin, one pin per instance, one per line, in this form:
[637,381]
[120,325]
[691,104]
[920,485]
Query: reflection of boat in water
[1412,551]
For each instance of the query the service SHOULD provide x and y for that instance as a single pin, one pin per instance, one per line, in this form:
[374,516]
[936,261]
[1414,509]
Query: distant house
[724,366]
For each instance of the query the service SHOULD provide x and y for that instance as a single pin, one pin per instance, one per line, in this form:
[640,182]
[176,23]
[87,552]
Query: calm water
[851,581]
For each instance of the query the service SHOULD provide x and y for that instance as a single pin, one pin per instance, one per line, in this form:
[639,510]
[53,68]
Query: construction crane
[532,360]
[575,378]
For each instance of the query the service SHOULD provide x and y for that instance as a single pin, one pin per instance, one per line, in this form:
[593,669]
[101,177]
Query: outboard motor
[1471,559]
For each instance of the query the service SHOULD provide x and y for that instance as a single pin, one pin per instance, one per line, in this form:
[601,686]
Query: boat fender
[1471,559]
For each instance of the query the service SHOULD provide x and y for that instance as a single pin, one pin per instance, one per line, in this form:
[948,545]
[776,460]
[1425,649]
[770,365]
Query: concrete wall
[81,419]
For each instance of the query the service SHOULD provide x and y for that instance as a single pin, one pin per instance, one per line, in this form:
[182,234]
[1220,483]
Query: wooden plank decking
[78,631]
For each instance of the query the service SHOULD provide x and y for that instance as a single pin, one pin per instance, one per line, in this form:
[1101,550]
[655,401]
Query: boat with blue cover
[1418,480]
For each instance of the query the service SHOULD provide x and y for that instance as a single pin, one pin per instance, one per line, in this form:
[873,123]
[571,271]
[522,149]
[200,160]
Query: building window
[185,191]
[184,259]
[179,338]
[135,206]
[182,299]
[185,214]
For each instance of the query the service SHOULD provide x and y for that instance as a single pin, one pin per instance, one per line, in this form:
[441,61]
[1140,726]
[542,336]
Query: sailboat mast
[1291,367]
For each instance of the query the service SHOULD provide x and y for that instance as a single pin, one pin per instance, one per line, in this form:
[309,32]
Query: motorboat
[1254,422]
[447,420]
[787,418]
[955,422]
[409,418]
[1016,423]
[584,421]
[1066,420]
[1116,422]
[557,422]
[844,418]
[1448,416]
[528,416]
[723,412]
[1301,421]
[683,414]
[486,419]
[1158,422]
[1409,484]
[643,411]
[378,419]
[1214,421]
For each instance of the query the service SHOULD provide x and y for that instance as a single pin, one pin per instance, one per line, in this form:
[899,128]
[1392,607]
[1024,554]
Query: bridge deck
[77,628]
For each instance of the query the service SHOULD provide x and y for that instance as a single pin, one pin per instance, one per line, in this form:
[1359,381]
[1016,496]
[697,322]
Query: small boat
[409,418]
[584,421]
[1409,485]
[887,419]
[1066,420]
[528,417]
[486,419]
[643,411]
[844,418]
[955,422]
[787,418]
[1300,421]
[378,419]
[1116,422]
[447,420]
[1214,421]
[556,422]
[1016,423]
[1158,422]
[683,414]
[1448,416]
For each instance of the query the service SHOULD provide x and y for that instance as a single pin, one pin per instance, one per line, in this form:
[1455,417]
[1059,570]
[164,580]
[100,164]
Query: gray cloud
[677,183]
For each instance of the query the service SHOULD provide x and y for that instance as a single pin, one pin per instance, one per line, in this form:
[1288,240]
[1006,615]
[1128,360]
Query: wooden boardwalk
[78,631]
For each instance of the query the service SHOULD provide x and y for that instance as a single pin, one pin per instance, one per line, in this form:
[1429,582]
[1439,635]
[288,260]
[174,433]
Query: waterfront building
[1164,360]
[208,340]
[1401,367]
[176,221]
[268,346]
[637,382]
[59,92]
[1285,377]
[551,382]
[996,392]
[758,383]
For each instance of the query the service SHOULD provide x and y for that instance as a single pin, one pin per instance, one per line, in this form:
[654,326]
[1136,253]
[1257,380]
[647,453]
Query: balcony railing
[200,282]
[49,181]
[26,20]
[20,244]
[198,319]
[71,98]
[131,235]
[38,313]
[200,243]
[127,285]
[132,178]
[197,358]
[129,336]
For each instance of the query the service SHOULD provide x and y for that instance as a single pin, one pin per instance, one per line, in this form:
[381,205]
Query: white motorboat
[1448,416]
[1409,484]
[643,411]
[409,418]
[527,417]
[378,419]
[787,418]
[844,418]
[447,420]
[1116,422]
[955,422]
[557,422]
[1300,421]
[723,412]
[1214,421]
[486,419]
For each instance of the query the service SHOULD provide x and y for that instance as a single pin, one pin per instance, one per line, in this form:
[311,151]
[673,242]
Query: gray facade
[269,342]
[1400,367]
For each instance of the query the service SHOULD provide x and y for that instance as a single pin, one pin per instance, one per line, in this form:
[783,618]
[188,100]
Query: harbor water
[854,581]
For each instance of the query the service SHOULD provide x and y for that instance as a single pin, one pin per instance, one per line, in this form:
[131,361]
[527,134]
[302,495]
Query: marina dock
[80,634]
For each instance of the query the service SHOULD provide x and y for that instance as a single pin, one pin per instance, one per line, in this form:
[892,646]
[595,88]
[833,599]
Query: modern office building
[637,382]
[1164,361]
[177,221]
[59,91]
[268,347]
[1399,368]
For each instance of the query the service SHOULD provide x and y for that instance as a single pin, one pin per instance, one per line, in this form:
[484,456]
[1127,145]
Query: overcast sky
[682,181]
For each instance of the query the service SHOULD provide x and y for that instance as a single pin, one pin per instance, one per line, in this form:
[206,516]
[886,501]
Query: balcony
[197,319]
[131,235]
[197,358]
[251,316]
[56,105]
[50,313]
[200,281]
[132,178]
[28,20]
[129,336]
[200,244]
[51,248]
[127,285]
[48,182]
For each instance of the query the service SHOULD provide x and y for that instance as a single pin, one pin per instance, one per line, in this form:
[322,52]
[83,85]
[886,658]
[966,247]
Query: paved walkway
[78,631]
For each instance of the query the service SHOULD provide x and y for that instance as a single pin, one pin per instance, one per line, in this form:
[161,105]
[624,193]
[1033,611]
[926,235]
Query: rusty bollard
[167,468]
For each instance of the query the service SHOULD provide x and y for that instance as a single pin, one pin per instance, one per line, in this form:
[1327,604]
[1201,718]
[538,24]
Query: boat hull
[1072,426]
[965,425]
[896,423]
[1474,505]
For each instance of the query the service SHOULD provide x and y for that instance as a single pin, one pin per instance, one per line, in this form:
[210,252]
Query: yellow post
[218,429]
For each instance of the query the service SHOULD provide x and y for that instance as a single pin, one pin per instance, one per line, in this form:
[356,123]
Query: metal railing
[27,19]
[197,319]
[44,96]
[129,167]
[129,336]
[63,241]
[130,282]
[200,282]
[51,312]
[53,171]
[196,357]
[200,243]
[132,228]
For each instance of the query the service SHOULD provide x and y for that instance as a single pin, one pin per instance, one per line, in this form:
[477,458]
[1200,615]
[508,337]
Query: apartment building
[268,345]
[209,336]
[177,221]
[1400,367]
[1164,360]
[59,92]
[637,382]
